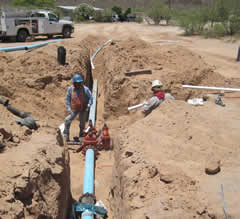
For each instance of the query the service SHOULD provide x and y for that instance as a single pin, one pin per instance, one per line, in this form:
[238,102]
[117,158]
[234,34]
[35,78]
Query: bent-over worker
[157,99]
[78,101]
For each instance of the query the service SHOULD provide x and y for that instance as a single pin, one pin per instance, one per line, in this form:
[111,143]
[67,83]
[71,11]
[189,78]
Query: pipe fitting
[88,198]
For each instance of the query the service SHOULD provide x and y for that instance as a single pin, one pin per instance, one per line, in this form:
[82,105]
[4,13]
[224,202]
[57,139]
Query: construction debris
[138,72]
[219,101]
[211,88]
[27,120]
[196,101]
[7,135]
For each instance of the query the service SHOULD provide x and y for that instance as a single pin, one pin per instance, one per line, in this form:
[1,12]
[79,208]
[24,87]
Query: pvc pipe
[88,186]
[89,174]
[135,107]
[92,113]
[97,52]
[211,88]
[27,47]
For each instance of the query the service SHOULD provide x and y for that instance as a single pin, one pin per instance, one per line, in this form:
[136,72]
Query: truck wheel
[5,39]
[22,35]
[50,36]
[66,32]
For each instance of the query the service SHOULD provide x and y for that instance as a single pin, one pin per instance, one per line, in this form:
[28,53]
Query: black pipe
[4,101]
[17,112]
[61,55]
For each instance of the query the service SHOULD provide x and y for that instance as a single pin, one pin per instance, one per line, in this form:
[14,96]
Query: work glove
[88,108]
[70,110]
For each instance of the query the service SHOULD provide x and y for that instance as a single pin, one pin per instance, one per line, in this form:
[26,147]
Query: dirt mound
[173,64]
[38,177]
[34,81]
[160,159]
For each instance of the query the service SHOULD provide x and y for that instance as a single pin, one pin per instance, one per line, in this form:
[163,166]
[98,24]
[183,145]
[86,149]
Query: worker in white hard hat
[158,97]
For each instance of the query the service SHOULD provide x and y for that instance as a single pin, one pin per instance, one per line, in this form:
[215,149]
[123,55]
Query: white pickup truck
[37,23]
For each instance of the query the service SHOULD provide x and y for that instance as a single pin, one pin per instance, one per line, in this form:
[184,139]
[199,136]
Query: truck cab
[36,23]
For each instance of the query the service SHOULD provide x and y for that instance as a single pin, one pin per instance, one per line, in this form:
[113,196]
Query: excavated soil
[157,168]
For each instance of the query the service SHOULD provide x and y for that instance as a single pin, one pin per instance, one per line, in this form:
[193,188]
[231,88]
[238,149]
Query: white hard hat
[157,83]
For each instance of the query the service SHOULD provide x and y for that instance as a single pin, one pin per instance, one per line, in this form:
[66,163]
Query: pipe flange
[88,198]
[85,148]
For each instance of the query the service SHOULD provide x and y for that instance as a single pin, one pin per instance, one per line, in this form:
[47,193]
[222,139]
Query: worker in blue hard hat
[78,101]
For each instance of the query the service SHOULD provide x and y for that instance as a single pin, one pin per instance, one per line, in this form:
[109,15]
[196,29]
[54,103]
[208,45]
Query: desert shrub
[191,21]
[107,15]
[98,16]
[217,31]
[234,24]
[83,12]
[139,19]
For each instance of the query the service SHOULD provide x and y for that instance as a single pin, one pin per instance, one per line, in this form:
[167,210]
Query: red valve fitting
[106,141]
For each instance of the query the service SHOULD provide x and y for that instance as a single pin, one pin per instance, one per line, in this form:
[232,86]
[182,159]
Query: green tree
[192,21]
[158,11]
[34,3]
[83,12]
[234,24]
[122,15]
[107,16]
[117,10]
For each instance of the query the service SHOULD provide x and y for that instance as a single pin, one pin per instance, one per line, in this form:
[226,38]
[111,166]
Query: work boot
[81,133]
[66,138]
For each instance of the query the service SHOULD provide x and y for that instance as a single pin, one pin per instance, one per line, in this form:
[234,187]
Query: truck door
[53,25]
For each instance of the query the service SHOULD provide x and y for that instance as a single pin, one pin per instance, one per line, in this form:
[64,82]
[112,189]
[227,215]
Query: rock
[153,171]
[28,132]
[201,211]
[7,134]
[128,153]
[1,145]
[16,139]
[212,167]
[59,138]
[166,178]
[211,215]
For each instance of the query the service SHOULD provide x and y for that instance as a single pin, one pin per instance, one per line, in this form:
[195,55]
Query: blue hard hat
[77,78]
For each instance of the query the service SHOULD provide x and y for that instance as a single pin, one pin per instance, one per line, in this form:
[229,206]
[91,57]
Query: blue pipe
[88,186]
[89,174]
[27,47]
[92,113]
[97,52]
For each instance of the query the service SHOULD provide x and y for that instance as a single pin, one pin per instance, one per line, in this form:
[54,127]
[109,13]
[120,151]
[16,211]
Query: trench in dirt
[103,164]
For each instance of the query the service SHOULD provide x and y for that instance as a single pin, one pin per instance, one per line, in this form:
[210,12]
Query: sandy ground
[211,130]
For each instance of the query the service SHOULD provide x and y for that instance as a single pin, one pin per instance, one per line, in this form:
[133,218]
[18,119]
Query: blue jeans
[70,118]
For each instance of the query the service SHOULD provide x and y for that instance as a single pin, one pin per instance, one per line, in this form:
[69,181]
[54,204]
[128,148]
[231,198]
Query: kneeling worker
[157,99]
[78,101]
